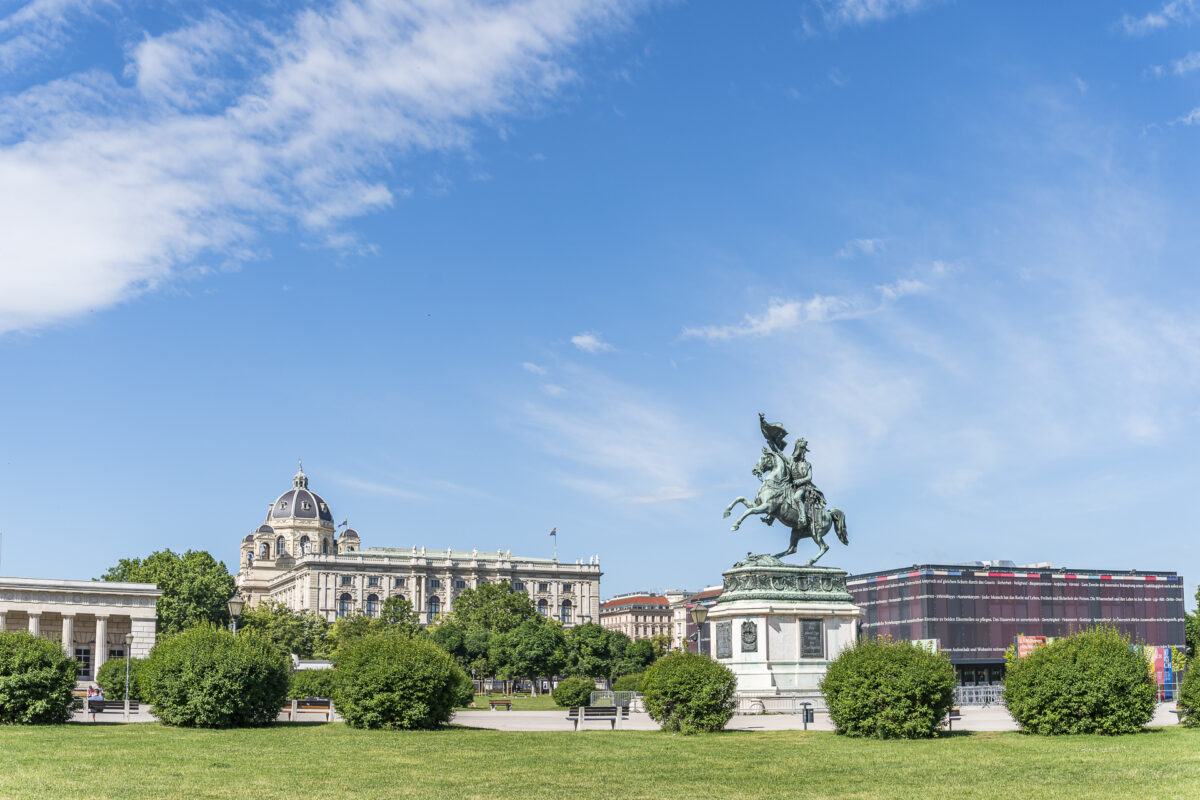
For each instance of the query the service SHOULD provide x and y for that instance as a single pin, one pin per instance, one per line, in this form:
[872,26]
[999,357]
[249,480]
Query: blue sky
[491,268]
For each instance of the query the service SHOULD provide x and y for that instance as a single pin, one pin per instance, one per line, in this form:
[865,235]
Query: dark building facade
[974,611]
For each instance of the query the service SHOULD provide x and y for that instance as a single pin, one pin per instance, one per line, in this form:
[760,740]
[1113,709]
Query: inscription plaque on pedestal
[724,639]
[749,637]
[812,644]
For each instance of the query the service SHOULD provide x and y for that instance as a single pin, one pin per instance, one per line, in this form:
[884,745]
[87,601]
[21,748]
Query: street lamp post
[699,615]
[236,604]
[128,647]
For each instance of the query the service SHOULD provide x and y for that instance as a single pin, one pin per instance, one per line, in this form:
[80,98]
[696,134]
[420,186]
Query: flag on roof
[554,531]
[345,522]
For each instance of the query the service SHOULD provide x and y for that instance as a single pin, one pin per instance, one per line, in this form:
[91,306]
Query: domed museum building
[299,558]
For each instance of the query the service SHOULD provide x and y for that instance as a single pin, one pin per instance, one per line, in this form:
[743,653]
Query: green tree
[300,632]
[195,587]
[398,613]
[638,655]
[595,652]
[494,607]
[396,617]
[534,649]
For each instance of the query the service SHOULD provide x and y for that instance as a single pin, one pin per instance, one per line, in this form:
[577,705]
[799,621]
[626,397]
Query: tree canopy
[303,633]
[596,652]
[534,649]
[195,586]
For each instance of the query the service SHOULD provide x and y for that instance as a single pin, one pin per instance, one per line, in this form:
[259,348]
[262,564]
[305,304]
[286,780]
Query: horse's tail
[839,524]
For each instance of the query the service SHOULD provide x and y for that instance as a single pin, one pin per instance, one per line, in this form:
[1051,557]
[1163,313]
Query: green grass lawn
[542,702]
[314,761]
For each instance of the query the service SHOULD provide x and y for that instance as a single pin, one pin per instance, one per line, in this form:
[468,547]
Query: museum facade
[973,612]
[297,557]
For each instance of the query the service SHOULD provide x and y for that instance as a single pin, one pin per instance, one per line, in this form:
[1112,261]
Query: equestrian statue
[789,495]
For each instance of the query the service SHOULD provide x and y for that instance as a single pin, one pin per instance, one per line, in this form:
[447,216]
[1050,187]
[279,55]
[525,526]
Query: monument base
[777,627]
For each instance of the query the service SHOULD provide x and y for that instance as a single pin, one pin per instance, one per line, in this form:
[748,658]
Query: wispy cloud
[782,315]
[591,342]
[529,366]
[38,28]
[111,189]
[1188,63]
[861,12]
[861,247]
[1175,12]
[1190,118]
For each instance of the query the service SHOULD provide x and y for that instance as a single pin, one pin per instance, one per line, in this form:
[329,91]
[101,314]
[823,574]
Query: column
[556,596]
[68,634]
[100,654]
[35,623]
[3,621]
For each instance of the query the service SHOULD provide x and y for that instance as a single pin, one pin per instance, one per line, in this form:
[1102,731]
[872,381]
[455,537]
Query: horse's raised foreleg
[750,511]
[729,507]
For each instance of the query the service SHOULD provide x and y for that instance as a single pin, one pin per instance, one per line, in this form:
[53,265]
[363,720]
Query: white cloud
[553,390]
[112,190]
[529,366]
[1190,118]
[39,28]
[1187,64]
[861,12]
[591,342]
[1174,12]
[857,247]
[783,315]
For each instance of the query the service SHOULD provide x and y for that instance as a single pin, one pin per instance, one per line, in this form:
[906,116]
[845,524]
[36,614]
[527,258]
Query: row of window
[433,606]
[305,548]
[459,583]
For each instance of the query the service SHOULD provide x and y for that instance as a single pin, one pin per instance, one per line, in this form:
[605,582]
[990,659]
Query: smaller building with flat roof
[975,611]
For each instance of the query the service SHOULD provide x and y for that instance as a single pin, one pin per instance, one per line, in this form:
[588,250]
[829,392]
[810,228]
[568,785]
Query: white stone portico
[88,618]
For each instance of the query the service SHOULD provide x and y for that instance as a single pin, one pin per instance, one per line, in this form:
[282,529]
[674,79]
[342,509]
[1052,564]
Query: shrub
[1189,699]
[312,683]
[206,677]
[573,692]
[36,679]
[628,683]
[888,690]
[387,680]
[689,693]
[1091,682]
[111,678]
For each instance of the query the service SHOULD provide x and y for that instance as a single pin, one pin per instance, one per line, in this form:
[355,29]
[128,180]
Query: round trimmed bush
[36,679]
[1189,699]
[888,690]
[386,680]
[1091,682]
[206,677]
[628,683]
[689,693]
[573,692]
[312,683]
[111,679]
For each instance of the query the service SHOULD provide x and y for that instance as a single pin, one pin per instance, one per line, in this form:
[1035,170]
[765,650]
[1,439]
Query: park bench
[493,704]
[955,713]
[611,714]
[309,705]
[95,707]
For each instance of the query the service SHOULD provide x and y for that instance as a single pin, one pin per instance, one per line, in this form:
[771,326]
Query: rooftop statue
[789,495]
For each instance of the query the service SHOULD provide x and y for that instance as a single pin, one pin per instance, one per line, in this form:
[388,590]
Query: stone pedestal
[777,626]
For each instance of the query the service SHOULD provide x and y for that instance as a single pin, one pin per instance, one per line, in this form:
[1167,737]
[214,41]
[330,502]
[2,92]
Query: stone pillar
[35,623]
[3,621]
[555,596]
[68,634]
[100,654]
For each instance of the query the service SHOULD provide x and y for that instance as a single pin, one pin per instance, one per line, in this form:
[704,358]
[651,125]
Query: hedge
[689,693]
[888,690]
[574,692]
[206,677]
[312,683]
[111,679]
[386,680]
[1091,682]
[36,679]
[629,683]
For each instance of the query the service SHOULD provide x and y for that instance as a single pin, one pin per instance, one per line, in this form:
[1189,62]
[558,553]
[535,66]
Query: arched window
[543,607]
[565,616]
[250,558]
[265,551]
[372,605]
[344,605]
[303,545]
[280,547]
[324,547]
[434,607]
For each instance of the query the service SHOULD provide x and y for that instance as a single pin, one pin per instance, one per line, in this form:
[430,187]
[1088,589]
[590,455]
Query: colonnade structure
[89,619]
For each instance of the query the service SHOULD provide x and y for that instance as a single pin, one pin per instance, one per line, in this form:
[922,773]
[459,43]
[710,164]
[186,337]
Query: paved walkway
[974,718]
